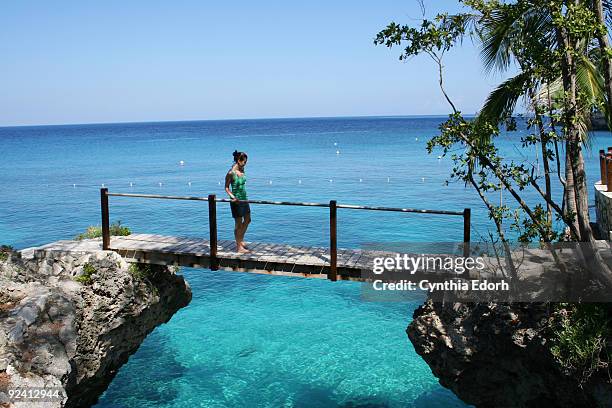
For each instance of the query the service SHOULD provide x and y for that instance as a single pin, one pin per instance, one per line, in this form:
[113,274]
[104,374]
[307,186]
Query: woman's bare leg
[237,232]
[246,220]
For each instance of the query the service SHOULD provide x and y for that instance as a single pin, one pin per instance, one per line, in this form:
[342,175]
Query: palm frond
[497,33]
[590,83]
[552,92]
[589,80]
[501,102]
[509,26]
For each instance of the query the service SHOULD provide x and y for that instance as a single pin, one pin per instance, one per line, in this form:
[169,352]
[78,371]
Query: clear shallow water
[249,340]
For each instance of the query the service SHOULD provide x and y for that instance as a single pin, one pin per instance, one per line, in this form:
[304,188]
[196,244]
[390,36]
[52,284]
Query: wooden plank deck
[268,258]
[288,260]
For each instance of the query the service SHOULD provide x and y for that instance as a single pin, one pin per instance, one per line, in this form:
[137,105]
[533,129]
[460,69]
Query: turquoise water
[251,340]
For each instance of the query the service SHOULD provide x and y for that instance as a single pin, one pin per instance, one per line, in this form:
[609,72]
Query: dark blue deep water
[248,340]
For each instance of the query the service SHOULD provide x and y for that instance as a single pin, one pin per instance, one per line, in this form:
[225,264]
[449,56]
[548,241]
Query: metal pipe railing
[408,210]
[333,220]
[158,196]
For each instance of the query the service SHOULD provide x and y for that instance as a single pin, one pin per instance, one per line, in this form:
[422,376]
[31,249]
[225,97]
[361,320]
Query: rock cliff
[499,355]
[70,319]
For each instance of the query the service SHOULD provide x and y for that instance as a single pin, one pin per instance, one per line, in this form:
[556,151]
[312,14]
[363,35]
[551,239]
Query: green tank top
[238,186]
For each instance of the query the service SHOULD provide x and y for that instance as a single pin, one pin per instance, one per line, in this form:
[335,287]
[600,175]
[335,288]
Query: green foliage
[140,271]
[500,103]
[521,32]
[476,161]
[85,277]
[576,18]
[145,273]
[94,231]
[5,250]
[537,36]
[580,336]
[432,37]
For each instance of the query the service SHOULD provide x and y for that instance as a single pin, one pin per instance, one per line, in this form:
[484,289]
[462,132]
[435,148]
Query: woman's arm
[228,181]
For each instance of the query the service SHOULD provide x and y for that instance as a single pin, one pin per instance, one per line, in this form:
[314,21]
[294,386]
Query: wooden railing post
[105,219]
[212,223]
[333,242]
[467,215]
[603,171]
[609,172]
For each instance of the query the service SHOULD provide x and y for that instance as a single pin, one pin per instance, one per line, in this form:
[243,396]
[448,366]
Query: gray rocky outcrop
[499,355]
[58,330]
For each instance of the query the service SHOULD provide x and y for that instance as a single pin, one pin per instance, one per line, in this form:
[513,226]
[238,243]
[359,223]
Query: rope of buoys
[265,180]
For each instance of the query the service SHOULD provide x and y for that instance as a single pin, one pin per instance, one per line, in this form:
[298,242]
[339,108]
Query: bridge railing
[605,168]
[333,220]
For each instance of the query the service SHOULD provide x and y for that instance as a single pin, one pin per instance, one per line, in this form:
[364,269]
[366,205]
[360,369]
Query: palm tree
[527,35]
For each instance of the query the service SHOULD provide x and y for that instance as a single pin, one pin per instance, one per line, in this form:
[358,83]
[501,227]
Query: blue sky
[122,61]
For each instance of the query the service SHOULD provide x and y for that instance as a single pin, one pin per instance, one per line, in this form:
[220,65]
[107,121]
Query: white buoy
[182,163]
[388,179]
[219,183]
[331,181]
[423,179]
[74,185]
[189,184]
[299,181]
[360,180]
[160,184]
[131,184]
[335,143]
[439,157]
[337,151]
[102,184]
[270,182]
[416,139]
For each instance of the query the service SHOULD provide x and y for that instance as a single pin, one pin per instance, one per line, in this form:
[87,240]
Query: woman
[240,209]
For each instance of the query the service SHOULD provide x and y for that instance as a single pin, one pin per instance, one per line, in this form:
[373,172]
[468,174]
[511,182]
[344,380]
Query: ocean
[254,340]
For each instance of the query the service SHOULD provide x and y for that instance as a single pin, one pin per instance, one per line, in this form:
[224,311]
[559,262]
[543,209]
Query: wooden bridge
[275,259]
[279,259]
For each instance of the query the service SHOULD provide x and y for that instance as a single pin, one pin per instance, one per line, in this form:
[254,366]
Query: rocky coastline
[499,355]
[70,319]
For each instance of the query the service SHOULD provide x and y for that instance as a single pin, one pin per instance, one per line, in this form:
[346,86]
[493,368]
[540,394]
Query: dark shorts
[239,208]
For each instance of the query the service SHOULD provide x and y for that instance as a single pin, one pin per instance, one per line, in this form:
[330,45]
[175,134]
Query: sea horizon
[171,121]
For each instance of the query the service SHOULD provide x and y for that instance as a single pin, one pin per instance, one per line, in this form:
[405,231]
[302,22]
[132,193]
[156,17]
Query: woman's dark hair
[239,156]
